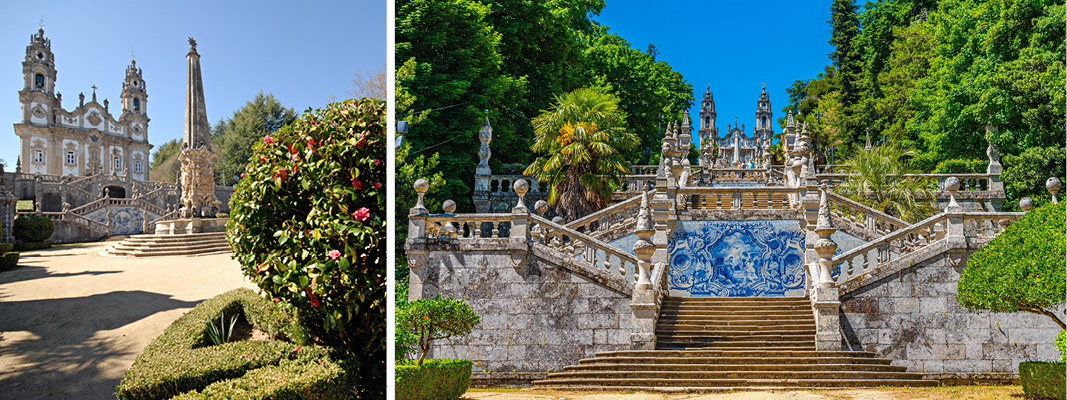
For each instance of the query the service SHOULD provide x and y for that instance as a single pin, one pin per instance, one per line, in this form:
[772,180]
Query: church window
[70,158]
[118,163]
[38,82]
[764,121]
[137,167]
[136,104]
[38,156]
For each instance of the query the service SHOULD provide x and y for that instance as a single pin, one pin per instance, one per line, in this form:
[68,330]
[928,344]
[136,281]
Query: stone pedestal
[198,183]
[191,225]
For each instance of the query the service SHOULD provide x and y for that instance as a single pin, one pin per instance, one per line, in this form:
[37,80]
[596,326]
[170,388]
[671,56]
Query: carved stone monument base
[198,183]
[191,225]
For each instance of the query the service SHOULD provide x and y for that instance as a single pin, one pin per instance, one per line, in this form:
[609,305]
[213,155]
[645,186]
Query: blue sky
[302,52]
[735,46]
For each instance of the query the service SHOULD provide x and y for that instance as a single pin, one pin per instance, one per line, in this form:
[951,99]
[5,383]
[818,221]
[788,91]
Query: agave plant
[877,179]
[221,334]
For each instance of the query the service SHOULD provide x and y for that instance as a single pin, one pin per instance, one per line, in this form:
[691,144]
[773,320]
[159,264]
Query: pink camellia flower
[357,184]
[268,140]
[277,300]
[311,143]
[377,162]
[361,214]
[334,254]
[377,185]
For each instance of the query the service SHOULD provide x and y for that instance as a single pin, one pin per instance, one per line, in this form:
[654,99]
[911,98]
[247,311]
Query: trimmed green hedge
[182,360]
[27,246]
[6,247]
[1044,380]
[290,380]
[9,260]
[435,379]
[32,228]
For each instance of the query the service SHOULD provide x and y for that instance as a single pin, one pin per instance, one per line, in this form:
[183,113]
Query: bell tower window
[38,155]
[136,104]
[70,158]
[137,167]
[118,163]
[38,82]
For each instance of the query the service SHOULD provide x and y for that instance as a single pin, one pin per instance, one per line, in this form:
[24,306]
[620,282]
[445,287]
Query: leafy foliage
[165,165]
[876,178]
[1025,174]
[1043,380]
[1022,269]
[220,333]
[956,166]
[232,139]
[307,225]
[1061,345]
[581,140]
[441,379]
[32,228]
[435,319]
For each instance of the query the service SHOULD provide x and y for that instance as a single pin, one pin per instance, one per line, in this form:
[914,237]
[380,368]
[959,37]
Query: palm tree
[876,178]
[580,142]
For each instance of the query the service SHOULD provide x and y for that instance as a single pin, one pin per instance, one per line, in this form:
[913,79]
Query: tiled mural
[124,220]
[738,258]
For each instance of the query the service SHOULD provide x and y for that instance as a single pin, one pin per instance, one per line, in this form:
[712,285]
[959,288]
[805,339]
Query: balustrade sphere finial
[421,186]
[1053,185]
[1026,204]
[541,207]
[449,206]
[952,184]
[521,187]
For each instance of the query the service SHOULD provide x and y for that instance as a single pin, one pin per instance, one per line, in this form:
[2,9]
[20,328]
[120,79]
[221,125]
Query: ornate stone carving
[94,118]
[485,135]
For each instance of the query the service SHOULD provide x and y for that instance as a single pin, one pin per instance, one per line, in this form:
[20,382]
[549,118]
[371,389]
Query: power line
[428,111]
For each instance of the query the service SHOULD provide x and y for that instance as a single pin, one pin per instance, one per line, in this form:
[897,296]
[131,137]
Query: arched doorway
[115,192]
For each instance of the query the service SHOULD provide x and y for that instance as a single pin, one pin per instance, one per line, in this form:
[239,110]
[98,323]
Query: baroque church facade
[84,141]
[737,149]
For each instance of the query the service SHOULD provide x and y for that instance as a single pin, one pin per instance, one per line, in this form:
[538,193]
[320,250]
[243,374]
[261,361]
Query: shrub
[181,359]
[27,246]
[32,228]
[1043,380]
[290,380]
[9,260]
[1025,174]
[434,319]
[307,222]
[957,166]
[6,247]
[1061,345]
[433,380]
[1022,269]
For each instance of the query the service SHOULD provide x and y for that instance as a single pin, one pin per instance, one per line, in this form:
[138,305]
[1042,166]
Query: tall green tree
[876,178]
[580,142]
[458,75]
[164,165]
[233,138]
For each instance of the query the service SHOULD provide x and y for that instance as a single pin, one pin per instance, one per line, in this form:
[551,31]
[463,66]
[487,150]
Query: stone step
[169,247]
[739,324]
[184,238]
[730,306]
[719,385]
[743,352]
[734,367]
[737,300]
[727,318]
[735,360]
[732,343]
[755,337]
[198,252]
[750,375]
[735,329]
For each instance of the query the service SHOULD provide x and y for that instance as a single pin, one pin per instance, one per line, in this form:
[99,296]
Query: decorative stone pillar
[825,296]
[1053,185]
[416,238]
[197,159]
[644,302]
[448,230]
[482,172]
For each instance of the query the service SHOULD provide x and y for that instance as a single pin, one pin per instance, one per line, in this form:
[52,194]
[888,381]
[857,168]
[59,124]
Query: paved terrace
[72,321]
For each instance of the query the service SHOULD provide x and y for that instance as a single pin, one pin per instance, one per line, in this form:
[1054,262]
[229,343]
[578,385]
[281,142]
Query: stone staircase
[713,344]
[194,244]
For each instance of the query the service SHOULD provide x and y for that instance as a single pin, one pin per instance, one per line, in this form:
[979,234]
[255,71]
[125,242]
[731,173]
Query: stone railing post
[520,215]
[825,296]
[954,229]
[416,231]
[644,302]
[538,231]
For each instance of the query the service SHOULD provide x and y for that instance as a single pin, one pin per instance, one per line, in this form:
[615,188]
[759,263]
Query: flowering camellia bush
[308,225]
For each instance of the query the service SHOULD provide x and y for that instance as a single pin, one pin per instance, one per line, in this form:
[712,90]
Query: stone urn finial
[1053,185]
[1026,204]
[520,187]
[449,206]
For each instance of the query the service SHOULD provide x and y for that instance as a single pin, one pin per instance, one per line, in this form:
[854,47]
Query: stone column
[482,172]
[416,234]
[825,296]
[644,302]
[520,215]
[954,229]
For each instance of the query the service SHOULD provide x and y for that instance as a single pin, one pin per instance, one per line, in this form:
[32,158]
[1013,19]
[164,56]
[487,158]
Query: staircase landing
[193,244]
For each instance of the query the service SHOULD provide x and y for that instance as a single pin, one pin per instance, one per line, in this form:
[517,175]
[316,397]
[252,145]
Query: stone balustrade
[598,254]
[861,220]
[736,198]
[468,226]
[610,223]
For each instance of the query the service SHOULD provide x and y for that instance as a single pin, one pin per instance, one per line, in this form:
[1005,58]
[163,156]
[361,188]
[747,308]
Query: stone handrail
[88,207]
[986,225]
[601,256]
[737,198]
[635,184]
[466,226]
[108,201]
[150,226]
[933,182]
[615,218]
[734,175]
[643,169]
[92,225]
[859,216]
[857,262]
[502,183]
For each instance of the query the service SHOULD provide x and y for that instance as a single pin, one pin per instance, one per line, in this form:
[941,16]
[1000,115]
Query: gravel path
[72,321]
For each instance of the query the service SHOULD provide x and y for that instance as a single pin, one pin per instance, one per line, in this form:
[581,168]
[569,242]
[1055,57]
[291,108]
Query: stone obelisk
[196,157]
